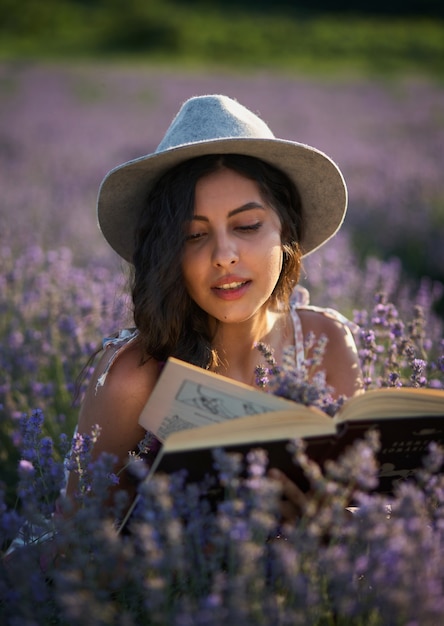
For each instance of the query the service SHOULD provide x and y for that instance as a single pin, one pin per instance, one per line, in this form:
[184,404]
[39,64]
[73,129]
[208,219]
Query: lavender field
[62,127]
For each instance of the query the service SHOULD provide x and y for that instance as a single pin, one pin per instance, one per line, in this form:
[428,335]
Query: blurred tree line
[31,16]
[276,31]
[358,7]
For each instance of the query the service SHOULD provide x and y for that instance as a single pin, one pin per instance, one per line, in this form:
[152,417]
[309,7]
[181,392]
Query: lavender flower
[41,477]
[300,385]
[183,558]
[394,353]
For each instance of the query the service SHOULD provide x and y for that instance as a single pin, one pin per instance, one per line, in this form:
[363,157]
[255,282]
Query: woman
[215,224]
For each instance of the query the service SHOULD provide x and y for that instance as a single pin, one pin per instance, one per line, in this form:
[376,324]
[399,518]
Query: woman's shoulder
[340,360]
[121,355]
[116,394]
[322,320]
[318,319]
[121,373]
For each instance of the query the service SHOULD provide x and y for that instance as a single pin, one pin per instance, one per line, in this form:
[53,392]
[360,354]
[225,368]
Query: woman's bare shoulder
[341,362]
[128,377]
[115,405]
[320,321]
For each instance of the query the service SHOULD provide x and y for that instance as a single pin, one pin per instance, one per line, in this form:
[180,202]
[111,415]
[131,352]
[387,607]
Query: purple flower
[26,468]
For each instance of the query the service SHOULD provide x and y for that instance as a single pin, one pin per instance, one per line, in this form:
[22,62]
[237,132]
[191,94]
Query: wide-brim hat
[216,124]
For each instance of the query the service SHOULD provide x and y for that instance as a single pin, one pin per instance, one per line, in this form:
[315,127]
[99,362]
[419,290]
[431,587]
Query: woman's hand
[294,500]
[295,503]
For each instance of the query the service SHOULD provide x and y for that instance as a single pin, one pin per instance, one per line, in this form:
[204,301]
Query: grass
[196,37]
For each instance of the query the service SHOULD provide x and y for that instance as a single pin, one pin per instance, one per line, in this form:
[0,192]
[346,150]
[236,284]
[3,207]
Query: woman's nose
[225,252]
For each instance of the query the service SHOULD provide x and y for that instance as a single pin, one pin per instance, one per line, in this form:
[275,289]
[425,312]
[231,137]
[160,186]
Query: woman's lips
[231,289]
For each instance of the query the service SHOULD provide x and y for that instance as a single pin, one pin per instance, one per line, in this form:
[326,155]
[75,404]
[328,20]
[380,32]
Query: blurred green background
[318,36]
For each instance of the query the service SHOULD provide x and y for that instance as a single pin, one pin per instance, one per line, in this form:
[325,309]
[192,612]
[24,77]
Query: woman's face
[233,254]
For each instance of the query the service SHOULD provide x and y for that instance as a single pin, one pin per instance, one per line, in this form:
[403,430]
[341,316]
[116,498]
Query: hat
[216,124]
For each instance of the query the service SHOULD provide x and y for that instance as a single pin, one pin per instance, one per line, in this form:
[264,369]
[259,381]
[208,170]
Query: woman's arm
[341,362]
[116,407]
[343,373]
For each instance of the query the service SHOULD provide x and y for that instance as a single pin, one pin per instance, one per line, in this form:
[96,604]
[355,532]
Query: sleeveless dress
[124,338]
[299,300]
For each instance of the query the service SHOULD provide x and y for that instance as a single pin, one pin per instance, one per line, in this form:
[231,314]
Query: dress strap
[300,300]
[333,313]
[298,339]
[120,341]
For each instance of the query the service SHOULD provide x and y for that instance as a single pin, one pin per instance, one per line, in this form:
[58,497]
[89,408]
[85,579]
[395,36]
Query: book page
[186,396]
[299,422]
[389,403]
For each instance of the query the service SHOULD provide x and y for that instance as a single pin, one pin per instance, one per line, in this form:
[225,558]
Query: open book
[193,411]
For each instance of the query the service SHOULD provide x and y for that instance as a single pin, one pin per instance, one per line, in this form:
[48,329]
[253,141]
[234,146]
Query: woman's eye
[250,227]
[194,236]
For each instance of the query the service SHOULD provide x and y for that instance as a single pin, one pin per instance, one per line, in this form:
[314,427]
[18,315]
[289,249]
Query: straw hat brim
[124,191]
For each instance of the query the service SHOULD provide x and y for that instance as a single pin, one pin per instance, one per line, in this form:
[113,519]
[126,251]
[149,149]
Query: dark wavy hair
[169,321]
